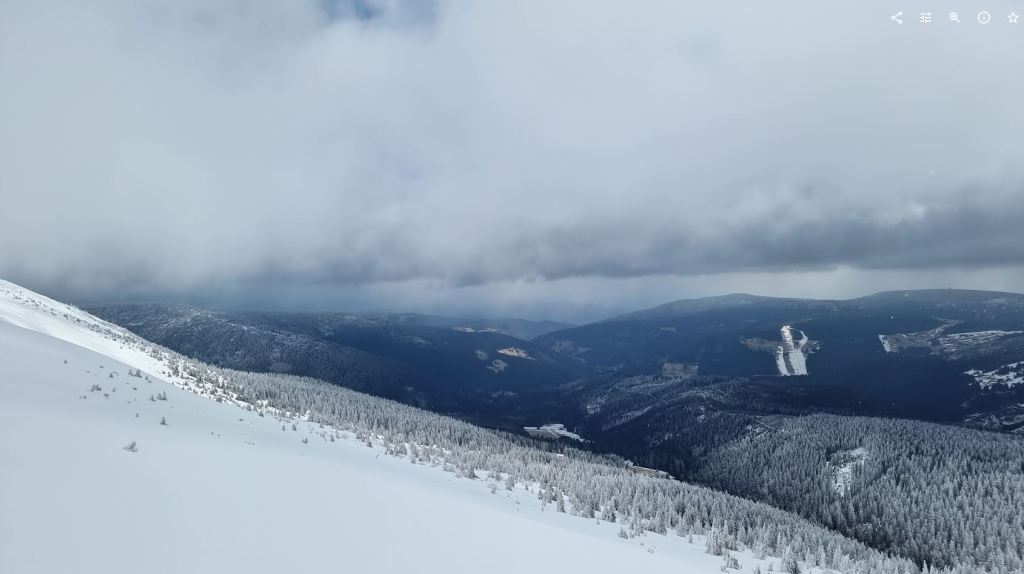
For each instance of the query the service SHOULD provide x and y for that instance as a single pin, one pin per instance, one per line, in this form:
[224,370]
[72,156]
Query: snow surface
[27,309]
[950,346]
[497,366]
[977,337]
[221,489]
[886,345]
[515,352]
[1009,375]
[790,357]
[842,465]
[552,431]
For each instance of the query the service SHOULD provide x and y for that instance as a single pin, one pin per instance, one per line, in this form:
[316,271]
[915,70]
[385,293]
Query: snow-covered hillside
[949,346]
[215,486]
[1009,375]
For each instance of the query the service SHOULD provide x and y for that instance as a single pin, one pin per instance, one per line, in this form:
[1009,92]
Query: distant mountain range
[942,355]
[472,367]
[951,356]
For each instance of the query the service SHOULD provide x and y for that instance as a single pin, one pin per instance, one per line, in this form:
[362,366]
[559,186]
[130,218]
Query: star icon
[1013,17]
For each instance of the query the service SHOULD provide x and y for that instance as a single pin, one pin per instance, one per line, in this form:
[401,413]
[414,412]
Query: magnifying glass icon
[954,17]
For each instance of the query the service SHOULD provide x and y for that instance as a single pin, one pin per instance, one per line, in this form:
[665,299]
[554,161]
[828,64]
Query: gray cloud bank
[202,145]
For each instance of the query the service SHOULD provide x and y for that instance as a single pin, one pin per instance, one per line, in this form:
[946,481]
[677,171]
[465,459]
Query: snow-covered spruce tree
[729,562]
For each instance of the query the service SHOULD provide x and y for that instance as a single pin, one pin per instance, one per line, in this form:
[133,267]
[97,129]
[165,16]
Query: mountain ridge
[686,306]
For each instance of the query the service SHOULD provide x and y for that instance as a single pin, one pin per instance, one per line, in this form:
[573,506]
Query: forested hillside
[447,365]
[934,493]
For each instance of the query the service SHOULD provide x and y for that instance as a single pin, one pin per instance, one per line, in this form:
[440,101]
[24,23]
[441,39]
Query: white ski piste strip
[789,357]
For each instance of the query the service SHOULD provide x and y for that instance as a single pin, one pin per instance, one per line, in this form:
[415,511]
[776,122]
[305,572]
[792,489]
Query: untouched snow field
[219,489]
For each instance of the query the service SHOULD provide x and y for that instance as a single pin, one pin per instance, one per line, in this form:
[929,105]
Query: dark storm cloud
[961,233]
[237,148]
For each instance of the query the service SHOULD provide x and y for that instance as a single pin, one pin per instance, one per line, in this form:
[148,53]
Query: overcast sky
[563,159]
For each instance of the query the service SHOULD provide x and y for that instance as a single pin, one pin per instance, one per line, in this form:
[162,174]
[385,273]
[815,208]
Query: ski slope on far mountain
[790,357]
[219,488]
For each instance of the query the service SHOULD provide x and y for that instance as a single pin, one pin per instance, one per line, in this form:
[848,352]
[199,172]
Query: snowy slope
[35,312]
[221,489]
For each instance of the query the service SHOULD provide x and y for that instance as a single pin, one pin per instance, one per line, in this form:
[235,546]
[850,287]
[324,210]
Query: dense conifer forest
[934,493]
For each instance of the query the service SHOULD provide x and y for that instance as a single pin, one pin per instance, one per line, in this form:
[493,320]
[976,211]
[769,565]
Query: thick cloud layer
[310,148]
